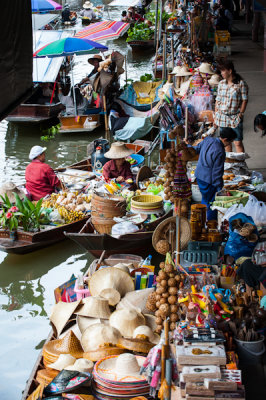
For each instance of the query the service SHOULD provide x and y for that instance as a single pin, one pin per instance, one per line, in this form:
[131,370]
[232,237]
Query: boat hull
[28,242]
[73,124]
[141,45]
[35,113]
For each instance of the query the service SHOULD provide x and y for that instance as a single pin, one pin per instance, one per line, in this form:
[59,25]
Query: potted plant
[9,220]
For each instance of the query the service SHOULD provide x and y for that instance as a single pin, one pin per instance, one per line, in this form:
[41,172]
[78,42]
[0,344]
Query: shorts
[238,130]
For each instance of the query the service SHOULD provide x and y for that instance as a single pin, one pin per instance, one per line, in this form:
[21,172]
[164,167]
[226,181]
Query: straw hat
[69,344]
[61,313]
[99,335]
[110,277]
[145,333]
[126,321]
[125,267]
[214,81]
[102,352]
[63,361]
[125,366]
[205,68]
[183,88]
[85,322]
[162,232]
[136,300]
[95,57]
[183,71]
[9,188]
[87,5]
[81,365]
[112,295]
[95,307]
[45,376]
[150,321]
[176,70]
[118,150]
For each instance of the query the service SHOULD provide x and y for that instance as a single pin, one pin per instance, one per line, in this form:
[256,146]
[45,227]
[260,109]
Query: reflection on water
[27,282]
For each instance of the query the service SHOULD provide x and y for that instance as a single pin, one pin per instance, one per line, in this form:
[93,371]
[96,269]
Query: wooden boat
[140,45]
[31,241]
[95,243]
[34,113]
[73,124]
[88,21]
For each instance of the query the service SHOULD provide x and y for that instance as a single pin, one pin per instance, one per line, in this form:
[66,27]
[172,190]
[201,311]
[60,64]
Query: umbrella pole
[74,94]
[105,118]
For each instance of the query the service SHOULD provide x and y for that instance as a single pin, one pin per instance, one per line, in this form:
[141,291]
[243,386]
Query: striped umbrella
[103,30]
[44,5]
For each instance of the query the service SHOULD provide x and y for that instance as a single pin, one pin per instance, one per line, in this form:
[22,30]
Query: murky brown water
[27,282]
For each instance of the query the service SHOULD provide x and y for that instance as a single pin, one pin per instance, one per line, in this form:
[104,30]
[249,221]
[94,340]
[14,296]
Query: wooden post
[164,63]
[105,118]
[172,51]
[186,122]
[156,56]
[156,23]
[161,20]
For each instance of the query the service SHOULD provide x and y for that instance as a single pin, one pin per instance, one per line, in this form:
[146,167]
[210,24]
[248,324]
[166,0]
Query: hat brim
[90,60]
[115,155]
[106,370]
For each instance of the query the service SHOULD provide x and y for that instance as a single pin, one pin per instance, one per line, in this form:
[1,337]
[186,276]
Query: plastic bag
[254,208]
[55,217]
[259,254]
[123,228]
[257,178]
[237,245]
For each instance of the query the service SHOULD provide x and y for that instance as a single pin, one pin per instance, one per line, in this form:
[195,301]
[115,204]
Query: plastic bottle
[147,261]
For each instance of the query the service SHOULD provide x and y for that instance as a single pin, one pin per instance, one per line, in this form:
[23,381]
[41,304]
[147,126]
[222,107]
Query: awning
[104,30]
[124,3]
[46,69]
[40,20]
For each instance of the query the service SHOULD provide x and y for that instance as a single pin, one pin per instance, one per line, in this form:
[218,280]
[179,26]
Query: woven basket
[147,201]
[144,173]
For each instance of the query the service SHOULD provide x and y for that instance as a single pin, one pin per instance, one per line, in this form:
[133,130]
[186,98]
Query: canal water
[27,282]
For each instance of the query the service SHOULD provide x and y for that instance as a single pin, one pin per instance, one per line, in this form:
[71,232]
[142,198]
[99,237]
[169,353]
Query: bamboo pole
[161,20]
[105,118]
[168,377]
[163,71]
[186,123]
[172,51]
[156,23]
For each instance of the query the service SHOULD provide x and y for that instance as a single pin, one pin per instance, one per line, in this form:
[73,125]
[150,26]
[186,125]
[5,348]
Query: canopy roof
[46,69]
[123,3]
[40,20]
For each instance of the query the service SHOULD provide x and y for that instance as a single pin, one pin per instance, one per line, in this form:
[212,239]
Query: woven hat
[126,321]
[102,352]
[61,314]
[45,376]
[9,188]
[85,322]
[99,335]
[63,361]
[166,230]
[81,365]
[136,299]
[176,70]
[205,68]
[150,321]
[36,151]
[118,150]
[111,295]
[110,277]
[214,81]
[96,57]
[95,307]
[69,344]
[126,366]
[87,5]
[183,71]
[183,88]
[145,333]
[125,267]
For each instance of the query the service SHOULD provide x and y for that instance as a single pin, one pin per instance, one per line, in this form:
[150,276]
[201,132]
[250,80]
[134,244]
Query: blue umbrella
[44,5]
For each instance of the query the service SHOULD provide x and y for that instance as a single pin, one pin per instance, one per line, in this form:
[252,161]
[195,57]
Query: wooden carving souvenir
[203,355]
[198,389]
[200,372]
[220,384]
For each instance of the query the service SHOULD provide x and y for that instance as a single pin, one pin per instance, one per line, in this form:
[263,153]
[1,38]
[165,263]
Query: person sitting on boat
[40,177]
[124,16]
[95,62]
[118,167]
[69,101]
[67,15]
[87,11]
[134,16]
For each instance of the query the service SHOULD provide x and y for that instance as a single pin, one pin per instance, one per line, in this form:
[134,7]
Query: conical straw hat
[46,375]
[183,71]
[84,322]
[214,81]
[118,150]
[126,321]
[136,299]
[144,332]
[99,335]
[74,328]
[102,352]
[150,321]
[63,361]
[126,366]
[81,365]
[61,314]
[183,88]
[124,267]
[110,277]
[112,295]
[205,68]
[176,70]
[95,307]
[69,344]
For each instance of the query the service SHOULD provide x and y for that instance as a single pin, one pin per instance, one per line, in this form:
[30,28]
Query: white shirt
[88,13]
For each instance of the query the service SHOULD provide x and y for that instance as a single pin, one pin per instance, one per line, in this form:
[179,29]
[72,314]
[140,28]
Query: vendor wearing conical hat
[117,167]
[87,11]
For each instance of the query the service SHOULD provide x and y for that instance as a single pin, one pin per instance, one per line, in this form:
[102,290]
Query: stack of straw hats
[61,314]
[118,376]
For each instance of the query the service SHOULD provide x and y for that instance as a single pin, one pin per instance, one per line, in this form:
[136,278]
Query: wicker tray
[147,202]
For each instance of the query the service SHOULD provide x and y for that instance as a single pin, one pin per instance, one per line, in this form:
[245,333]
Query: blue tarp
[135,128]
[129,96]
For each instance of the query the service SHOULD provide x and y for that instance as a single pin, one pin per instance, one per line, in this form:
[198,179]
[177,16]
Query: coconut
[164,283]
[160,290]
[164,310]
[162,274]
[162,246]
[172,282]
[165,295]
[172,326]
[172,290]
[162,265]
[158,320]
[173,317]
[169,268]
[172,299]
[173,308]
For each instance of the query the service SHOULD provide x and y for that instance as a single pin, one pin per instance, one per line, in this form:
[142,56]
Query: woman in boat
[87,11]
[69,101]
[95,62]
[40,177]
[118,167]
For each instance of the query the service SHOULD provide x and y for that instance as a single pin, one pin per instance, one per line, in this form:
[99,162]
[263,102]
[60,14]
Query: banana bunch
[69,215]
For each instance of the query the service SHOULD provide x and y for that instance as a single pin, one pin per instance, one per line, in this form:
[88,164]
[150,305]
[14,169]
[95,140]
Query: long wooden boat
[95,243]
[31,241]
[34,113]
[88,21]
[140,45]
[74,124]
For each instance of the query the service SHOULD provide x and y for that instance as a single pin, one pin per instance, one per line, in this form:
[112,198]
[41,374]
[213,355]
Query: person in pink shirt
[117,167]
[40,177]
